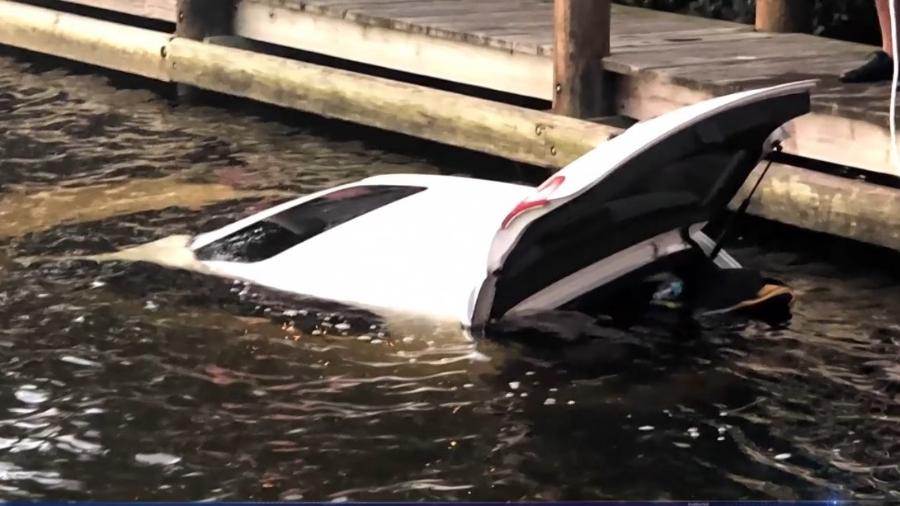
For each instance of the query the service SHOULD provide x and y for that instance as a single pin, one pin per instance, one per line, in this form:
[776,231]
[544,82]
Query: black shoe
[879,67]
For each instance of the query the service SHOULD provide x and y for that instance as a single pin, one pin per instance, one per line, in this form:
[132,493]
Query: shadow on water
[129,380]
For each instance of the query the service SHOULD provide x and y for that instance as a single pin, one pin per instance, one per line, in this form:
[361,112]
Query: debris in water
[80,319]
[720,438]
[783,456]
[79,361]
[29,394]
[376,341]
[74,444]
[97,284]
[549,401]
[682,445]
[468,385]
[409,339]
[571,403]
[645,428]
[151,306]
[364,338]
[159,459]
[342,326]
[514,385]
[529,373]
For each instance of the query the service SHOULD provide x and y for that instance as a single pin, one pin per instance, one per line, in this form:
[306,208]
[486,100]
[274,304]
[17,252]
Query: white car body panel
[437,253]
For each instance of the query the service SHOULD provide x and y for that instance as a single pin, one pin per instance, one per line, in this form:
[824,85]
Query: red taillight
[522,207]
[538,200]
[549,186]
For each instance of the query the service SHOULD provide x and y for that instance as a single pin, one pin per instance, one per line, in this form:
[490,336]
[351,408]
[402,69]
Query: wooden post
[580,42]
[784,15]
[199,19]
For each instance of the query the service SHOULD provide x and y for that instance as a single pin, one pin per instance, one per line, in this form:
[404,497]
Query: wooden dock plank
[710,53]
[163,10]
[417,52]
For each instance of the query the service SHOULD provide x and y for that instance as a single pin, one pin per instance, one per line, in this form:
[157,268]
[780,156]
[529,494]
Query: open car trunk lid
[630,200]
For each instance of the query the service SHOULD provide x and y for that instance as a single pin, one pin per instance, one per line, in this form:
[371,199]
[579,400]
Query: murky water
[133,381]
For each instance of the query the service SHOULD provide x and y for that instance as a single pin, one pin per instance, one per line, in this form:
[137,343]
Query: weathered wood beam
[496,128]
[105,44]
[784,15]
[580,42]
[833,205]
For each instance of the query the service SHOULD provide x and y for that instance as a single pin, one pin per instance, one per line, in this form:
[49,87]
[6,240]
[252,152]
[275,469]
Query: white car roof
[425,253]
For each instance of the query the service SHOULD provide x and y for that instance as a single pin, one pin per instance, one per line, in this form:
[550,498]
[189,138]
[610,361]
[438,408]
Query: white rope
[895,155]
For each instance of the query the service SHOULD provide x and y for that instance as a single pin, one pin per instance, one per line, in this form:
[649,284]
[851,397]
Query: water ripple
[134,381]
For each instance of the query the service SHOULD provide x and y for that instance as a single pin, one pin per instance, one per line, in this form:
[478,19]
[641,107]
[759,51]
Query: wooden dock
[660,61]
[657,62]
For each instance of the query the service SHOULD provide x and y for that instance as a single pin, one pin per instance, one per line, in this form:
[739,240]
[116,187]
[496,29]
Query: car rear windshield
[277,233]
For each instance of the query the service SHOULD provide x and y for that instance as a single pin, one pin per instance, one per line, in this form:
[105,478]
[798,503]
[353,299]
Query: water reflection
[131,380]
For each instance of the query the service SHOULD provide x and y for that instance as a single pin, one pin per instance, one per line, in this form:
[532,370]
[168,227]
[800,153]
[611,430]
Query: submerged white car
[475,251]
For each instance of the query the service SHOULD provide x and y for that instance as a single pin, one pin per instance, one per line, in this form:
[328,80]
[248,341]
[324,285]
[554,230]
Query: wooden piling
[580,42]
[784,16]
[198,20]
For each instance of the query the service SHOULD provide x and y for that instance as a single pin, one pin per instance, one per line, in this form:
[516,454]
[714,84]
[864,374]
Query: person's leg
[880,66]
[884,22]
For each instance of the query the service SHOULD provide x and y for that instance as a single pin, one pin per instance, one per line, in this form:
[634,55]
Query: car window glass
[277,233]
